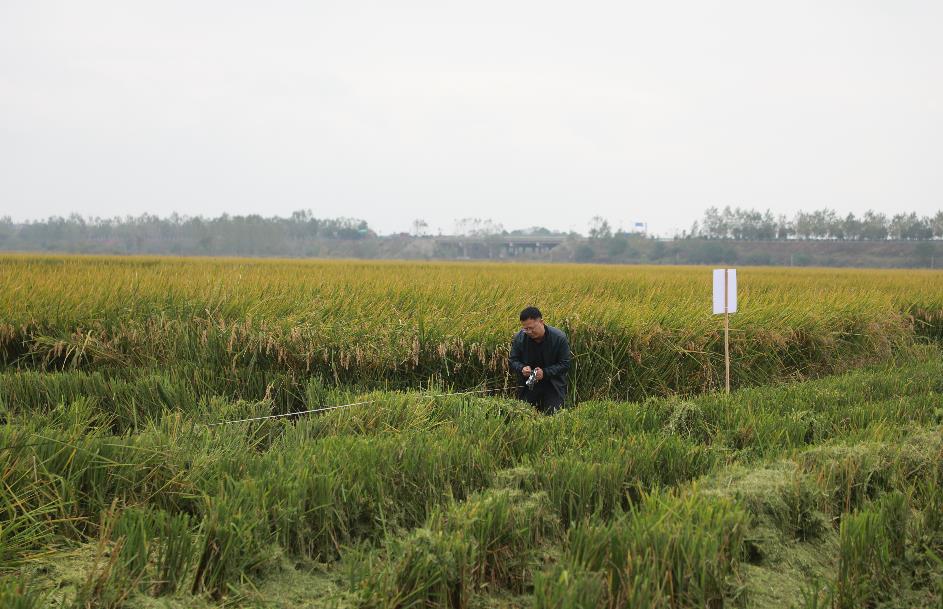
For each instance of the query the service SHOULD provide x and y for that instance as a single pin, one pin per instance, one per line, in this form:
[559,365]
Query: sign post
[725,301]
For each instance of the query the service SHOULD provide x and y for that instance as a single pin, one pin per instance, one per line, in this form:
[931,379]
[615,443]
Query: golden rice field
[635,331]
[818,482]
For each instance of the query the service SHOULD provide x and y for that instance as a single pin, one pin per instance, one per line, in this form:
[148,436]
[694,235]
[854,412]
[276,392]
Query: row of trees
[240,235]
[302,234]
[753,225]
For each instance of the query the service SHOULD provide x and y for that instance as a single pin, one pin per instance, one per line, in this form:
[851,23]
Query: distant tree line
[753,225]
[225,235]
[722,236]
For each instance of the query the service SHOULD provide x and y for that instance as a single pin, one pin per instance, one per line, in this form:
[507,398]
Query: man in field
[544,350]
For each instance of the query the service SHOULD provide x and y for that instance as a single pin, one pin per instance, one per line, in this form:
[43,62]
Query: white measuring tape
[287,414]
[326,408]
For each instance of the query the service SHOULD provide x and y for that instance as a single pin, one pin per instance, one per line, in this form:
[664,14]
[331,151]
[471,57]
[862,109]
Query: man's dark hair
[531,313]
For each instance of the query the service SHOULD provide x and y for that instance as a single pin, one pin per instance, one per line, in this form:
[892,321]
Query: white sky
[536,113]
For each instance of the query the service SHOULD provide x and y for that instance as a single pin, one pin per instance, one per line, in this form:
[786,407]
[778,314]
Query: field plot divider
[727,328]
[725,301]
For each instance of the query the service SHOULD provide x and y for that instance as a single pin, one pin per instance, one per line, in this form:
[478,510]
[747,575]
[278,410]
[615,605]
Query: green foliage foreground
[821,493]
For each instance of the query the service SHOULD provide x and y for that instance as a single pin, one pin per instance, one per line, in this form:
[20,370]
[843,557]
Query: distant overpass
[498,246]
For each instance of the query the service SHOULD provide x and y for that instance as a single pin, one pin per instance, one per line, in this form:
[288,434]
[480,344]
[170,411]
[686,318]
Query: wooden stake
[726,333]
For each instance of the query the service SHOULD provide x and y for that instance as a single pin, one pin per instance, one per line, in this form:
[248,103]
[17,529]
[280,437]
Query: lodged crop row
[458,497]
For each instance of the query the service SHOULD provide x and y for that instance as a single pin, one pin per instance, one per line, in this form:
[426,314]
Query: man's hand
[525,370]
[540,374]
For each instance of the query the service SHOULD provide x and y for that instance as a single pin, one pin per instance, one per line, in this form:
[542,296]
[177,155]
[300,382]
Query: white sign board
[731,294]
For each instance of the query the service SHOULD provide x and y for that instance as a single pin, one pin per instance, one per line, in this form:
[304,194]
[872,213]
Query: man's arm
[517,354]
[562,365]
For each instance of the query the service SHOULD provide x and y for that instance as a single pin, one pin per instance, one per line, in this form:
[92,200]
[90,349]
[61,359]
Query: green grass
[459,501]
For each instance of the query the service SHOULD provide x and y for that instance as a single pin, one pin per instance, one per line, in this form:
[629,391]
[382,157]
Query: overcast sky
[536,113]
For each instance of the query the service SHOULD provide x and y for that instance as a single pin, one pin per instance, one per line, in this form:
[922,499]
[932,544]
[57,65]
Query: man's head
[532,323]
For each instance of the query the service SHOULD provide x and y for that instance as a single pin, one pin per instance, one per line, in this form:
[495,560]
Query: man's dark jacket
[552,354]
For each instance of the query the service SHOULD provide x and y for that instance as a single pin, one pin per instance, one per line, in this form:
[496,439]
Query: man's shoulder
[555,332]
